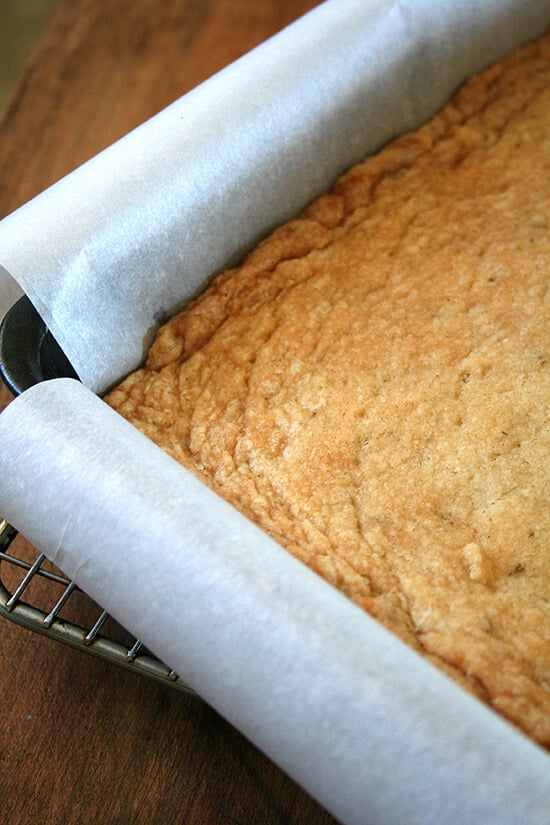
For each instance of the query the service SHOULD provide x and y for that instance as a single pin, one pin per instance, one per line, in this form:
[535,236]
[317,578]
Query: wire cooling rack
[36,595]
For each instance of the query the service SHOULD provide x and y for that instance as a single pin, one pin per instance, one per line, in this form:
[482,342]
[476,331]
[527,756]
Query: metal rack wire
[51,620]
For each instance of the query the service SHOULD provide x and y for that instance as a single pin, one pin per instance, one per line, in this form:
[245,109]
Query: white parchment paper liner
[356,717]
[362,722]
[110,248]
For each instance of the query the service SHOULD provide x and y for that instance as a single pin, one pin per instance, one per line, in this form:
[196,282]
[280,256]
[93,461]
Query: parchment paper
[364,724]
[104,253]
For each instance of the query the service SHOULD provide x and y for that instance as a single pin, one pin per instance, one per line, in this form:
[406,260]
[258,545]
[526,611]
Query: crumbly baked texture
[371,387]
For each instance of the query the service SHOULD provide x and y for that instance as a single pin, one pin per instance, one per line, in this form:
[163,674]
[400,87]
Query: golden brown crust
[371,387]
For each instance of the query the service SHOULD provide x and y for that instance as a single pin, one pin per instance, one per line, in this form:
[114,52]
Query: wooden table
[82,741]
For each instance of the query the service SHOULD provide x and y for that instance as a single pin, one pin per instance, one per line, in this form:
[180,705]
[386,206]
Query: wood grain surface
[82,741]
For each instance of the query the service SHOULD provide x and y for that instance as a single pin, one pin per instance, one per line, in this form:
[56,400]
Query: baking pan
[365,725]
[30,354]
[28,351]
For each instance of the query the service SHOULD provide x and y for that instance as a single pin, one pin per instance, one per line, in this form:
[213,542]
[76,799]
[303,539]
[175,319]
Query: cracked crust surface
[371,387]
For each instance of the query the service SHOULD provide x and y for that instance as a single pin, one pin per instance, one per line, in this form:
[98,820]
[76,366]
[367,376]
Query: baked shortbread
[371,387]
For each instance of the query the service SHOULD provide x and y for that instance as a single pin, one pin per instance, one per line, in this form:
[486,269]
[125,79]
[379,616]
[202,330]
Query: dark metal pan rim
[29,353]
